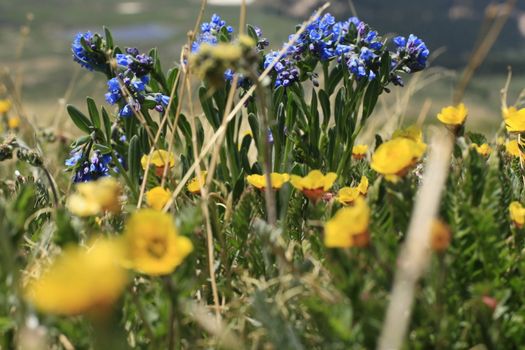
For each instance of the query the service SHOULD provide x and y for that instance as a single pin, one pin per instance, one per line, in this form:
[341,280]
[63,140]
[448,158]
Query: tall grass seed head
[80,280]
[153,244]
[349,226]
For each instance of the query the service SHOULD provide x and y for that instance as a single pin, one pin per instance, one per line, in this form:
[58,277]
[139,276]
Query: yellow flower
[394,158]
[453,115]
[412,132]
[517,214]
[514,119]
[500,141]
[314,185]
[349,227]
[359,151]
[259,181]
[153,244]
[157,197]
[159,158]
[440,236]
[80,280]
[95,197]
[363,185]
[512,148]
[5,106]
[194,186]
[483,150]
[348,195]
[13,122]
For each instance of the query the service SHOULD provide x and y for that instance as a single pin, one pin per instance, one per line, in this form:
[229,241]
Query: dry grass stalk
[415,253]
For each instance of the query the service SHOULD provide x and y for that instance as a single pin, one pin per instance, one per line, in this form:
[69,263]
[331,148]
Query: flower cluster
[285,69]
[128,88]
[94,167]
[354,45]
[411,53]
[217,32]
[91,280]
[89,51]
[211,31]
[132,83]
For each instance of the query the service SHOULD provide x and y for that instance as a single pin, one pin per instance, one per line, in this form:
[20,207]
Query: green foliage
[278,285]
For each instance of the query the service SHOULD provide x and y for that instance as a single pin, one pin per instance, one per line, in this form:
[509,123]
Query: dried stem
[415,253]
[483,49]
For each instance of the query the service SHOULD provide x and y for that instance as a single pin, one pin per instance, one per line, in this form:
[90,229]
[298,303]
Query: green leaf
[134,160]
[254,125]
[80,120]
[324,100]
[252,32]
[172,76]
[371,95]
[109,38]
[93,112]
[208,109]
[102,148]
[107,124]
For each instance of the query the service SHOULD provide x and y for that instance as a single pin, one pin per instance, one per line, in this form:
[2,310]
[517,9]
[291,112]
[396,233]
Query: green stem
[123,172]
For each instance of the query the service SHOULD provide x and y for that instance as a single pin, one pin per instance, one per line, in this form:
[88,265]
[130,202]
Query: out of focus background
[35,37]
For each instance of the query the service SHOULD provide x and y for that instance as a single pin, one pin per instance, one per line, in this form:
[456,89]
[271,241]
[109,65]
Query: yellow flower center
[157,247]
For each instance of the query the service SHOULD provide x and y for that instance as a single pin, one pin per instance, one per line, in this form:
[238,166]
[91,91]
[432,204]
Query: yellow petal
[157,197]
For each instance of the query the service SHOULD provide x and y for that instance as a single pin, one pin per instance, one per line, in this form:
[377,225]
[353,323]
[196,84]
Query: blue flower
[97,166]
[138,85]
[210,32]
[270,136]
[366,55]
[413,54]
[80,54]
[73,160]
[126,111]
[141,65]
[113,95]
[122,60]
[400,41]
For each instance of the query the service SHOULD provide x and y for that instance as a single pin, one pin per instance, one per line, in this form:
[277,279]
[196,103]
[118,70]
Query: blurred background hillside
[450,27]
